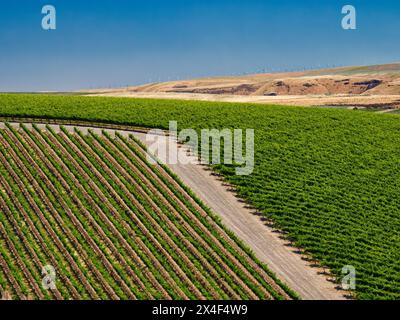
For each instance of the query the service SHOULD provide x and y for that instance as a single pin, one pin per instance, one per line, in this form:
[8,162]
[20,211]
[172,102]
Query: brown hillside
[379,84]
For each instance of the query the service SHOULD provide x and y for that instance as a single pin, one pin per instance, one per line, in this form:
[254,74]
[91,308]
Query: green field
[329,178]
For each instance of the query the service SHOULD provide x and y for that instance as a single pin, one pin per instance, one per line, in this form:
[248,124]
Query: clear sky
[102,43]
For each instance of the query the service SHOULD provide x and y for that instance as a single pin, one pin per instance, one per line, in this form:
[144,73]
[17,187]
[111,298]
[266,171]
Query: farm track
[112,225]
[102,240]
[120,220]
[143,229]
[62,231]
[50,228]
[109,224]
[38,236]
[74,227]
[32,253]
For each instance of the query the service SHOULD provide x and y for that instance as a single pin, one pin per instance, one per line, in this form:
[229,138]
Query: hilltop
[369,86]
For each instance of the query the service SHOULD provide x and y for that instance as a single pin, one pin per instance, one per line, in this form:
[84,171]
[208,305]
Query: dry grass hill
[369,86]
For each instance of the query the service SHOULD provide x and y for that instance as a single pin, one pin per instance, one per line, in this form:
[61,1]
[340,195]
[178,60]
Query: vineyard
[328,179]
[112,226]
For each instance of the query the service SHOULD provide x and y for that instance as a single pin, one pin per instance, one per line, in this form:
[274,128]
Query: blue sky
[116,43]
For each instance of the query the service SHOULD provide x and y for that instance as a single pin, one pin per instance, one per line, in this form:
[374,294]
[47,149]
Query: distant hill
[378,79]
[376,86]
